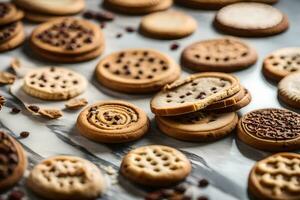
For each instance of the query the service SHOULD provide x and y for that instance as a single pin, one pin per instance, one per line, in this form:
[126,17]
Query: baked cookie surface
[9,14]
[289,90]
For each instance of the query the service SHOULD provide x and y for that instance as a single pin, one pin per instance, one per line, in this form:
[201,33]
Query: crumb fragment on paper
[50,113]
[74,104]
[7,78]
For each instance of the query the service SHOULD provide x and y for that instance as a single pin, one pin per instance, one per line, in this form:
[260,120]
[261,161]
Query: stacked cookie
[200,107]
[11,29]
[67,40]
[42,11]
[138,7]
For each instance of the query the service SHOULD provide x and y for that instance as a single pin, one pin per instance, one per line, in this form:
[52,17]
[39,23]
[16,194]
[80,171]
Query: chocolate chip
[15,110]
[119,35]
[203,183]
[174,46]
[88,40]
[24,134]
[130,29]
[16,195]
[34,108]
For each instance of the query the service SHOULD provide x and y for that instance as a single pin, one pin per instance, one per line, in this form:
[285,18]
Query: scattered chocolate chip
[34,108]
[15,110]
[16,195]
[129,29]
[202,198]
[24,134]
[174,46]
[119,35]
[203,183]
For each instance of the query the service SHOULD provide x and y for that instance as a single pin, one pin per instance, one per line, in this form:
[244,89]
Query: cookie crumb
[105,16]
[203,183]
[50,113]
[74,104]
[130,29]
[181,188]
[24,134]
[7,78]
[33,108]
[15,110]
[119,35]
[174,46]
[89,15]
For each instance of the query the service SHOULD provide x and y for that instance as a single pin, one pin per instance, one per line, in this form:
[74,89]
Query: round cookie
[133,3]
[276,177]
[137,71]
[282,62]
[9,14]
[13,161]
[155,165]
[11,36]
[198,126]
[251,20]
[51,7]
[2,101]
[219,55]
[113,122]
[50,83]
[168,25]
[66,177]
[289,90]
[270,129]
[194,93]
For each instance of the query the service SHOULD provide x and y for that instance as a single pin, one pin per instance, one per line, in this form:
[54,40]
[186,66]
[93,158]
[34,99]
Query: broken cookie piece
[74,104]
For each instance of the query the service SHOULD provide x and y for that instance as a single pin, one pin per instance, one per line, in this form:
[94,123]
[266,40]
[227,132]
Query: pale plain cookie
[222,55]
[50,83]
[52,7]
[168,25]
[282,62]
[137,71]
[251,20]
[276,177]
[155,165]
[13,161]
[113,122]
[133,3]
[198,126]
[270,129]
[66,177]
[194,93]
[67,36]
[289,90]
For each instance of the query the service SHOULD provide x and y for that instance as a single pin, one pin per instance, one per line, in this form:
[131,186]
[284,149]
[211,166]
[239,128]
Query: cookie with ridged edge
[13,161]
[66,177]
[198,126]
[289,90]
[168,25]
[281,62]
[270,129]
[50,83]
[223,54]
[276,177]
[113,122]
[155,165]
[194,93]
[251,20]
[137,71]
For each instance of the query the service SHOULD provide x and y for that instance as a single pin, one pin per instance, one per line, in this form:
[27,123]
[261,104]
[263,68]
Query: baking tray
[225,163]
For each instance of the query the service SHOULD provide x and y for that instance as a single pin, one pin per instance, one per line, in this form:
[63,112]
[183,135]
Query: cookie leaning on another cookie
[289,90]
[66,177]
[113,122]
[168,25]
[155,165]
[276,177]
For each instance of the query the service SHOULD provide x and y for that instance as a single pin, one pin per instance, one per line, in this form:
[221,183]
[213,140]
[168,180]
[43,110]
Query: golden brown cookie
[50,83]
[168,25]
[13,161]
[289,90]
[198,126]
[251,20]
[66,177]
[11,36]
[137,71]
[270,129]
[155,165]
[282,62]
[9,14]
[223,55]
[194,93]
[276,177]
[113,122]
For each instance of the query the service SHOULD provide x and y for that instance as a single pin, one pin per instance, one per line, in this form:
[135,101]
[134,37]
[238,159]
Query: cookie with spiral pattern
[276,177]
[270,129]
[113,122]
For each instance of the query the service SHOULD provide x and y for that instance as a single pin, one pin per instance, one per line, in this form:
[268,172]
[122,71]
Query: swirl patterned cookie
[66,177]
[113,122]
[155,165]
[270,129]
[289,90]
[276,177]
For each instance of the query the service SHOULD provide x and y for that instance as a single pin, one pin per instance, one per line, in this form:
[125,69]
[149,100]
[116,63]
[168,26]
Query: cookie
[194,93]
[66,177]
[137,71]
[198,126]
[168,25]
[276,177]
[51,7]
[11,36]
[9,14]
[14,42]
[134,3]
[155,165]
[289,90]
[2,101]
[219,55]
[251,20]
[282,62]
[270,129]
[113,122]
[13,161]
[50,83]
